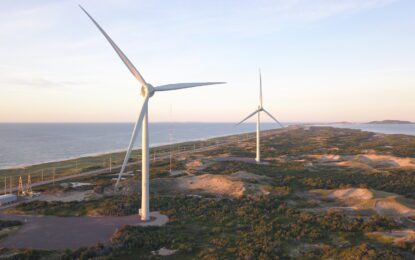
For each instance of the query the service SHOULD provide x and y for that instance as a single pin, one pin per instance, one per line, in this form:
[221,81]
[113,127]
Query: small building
[7,198]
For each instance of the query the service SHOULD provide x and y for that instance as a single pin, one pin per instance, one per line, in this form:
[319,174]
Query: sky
[321,60]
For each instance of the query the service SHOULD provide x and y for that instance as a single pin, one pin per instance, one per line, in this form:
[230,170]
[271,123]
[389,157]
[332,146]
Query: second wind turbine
[258,121]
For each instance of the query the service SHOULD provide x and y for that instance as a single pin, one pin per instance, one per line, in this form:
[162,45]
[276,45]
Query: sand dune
[354,193]
[234,185]
[395,236]
[66,196]
[393,207]
[371,160]
[384,203]
[213,184]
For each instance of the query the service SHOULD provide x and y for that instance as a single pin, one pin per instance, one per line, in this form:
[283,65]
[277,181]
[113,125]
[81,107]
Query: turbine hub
[147,89]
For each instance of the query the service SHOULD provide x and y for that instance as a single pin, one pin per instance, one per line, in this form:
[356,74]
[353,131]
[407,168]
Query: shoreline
[10,166]
[165,144]
[118,151]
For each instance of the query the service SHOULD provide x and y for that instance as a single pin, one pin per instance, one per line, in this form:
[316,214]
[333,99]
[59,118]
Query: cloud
[268,16]
[24,20]
[36,82]
[388,70]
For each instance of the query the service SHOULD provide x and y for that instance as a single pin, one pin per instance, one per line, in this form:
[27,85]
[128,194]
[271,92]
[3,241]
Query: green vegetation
[8,226]
[72,167]
[9,223]
[281,225]
[298,177]
[204,228]
[390,122]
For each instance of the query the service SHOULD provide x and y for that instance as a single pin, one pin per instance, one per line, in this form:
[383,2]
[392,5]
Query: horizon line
[196,122]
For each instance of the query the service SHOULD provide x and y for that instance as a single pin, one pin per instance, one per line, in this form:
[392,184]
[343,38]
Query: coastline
[165,145]
[24,145]
[390,129]
[118,152]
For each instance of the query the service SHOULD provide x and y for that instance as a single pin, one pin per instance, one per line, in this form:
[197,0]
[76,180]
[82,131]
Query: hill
[397,122]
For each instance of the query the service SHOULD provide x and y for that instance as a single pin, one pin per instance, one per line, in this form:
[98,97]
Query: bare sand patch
[384,203]
[66,196]
[213,184]
[164,252]
[177,172]
[394,236]
[352,193]
[196,166]
[233,185]
[367,160]
[393,161]
[392,207]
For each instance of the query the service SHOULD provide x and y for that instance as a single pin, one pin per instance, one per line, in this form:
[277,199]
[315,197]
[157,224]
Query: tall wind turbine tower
[147,91]
[258,121]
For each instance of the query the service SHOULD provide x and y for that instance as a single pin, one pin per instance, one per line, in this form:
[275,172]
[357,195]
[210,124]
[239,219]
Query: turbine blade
[124,58]
[137,126]
[269,114]
[260,88]
[184,85]
[246,118]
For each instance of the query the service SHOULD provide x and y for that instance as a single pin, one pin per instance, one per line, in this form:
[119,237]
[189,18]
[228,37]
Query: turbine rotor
[147,90]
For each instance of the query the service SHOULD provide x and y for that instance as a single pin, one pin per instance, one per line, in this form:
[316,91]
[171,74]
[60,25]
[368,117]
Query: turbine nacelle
[147,90]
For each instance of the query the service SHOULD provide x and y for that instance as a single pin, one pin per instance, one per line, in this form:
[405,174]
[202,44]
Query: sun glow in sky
[322,60]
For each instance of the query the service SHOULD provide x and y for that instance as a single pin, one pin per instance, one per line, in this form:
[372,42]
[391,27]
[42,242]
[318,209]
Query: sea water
[30,143]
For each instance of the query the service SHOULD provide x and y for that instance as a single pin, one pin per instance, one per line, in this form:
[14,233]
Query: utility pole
[170,139]
[29,186]
[53,176]
[171,157]
[5,185]
[110,164]
[20,187]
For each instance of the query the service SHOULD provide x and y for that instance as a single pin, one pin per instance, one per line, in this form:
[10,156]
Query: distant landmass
[342,123]
[397,122]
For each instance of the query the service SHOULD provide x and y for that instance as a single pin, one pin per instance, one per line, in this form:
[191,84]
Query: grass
[381,238]
[4,232]
[219,228]
[8,227]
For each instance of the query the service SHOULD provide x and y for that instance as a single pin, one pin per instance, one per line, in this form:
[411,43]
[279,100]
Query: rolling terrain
[321,193]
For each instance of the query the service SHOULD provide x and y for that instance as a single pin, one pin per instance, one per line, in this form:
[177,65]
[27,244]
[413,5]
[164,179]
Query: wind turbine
[147,91]
[258,121]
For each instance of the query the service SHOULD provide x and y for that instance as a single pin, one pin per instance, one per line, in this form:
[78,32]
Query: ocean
[407,129]
[31,143]
[24,144]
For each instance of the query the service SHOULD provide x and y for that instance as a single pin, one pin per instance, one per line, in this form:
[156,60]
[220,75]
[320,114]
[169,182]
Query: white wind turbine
[258,121]
[147,91]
